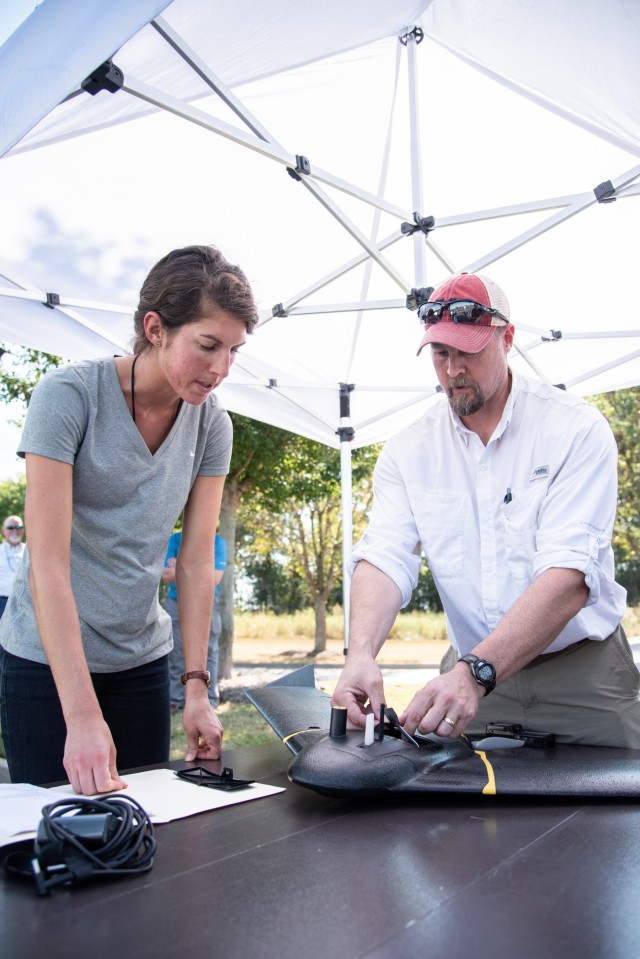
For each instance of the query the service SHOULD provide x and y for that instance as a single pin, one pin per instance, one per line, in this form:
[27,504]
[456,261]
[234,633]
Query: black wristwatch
[482,671]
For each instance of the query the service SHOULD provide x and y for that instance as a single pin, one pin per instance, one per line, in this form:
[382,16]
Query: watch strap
[475,663]
[202,674]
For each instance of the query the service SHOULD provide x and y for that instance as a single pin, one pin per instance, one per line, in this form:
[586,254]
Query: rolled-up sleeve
[577,515]
[391,542]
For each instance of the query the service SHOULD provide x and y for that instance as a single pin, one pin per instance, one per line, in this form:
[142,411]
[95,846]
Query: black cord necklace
[133,387]
[133,391]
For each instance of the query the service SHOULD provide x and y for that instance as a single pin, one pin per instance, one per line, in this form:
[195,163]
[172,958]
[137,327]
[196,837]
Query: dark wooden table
[300,876]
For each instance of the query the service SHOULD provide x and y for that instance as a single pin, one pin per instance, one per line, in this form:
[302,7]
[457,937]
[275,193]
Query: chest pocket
[520,524]
[443,524]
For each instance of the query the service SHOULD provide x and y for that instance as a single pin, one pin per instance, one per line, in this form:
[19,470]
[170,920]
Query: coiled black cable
[118,840]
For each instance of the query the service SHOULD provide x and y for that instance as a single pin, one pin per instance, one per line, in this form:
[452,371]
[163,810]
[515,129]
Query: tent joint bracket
[416,297]
[416,34]
[605,192]
[105,77]
[346,432]
[423,223]
[303,168]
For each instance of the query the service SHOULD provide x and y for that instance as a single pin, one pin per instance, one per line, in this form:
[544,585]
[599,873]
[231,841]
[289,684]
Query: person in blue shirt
[176,656]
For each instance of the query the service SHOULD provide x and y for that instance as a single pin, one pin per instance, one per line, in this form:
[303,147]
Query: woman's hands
[90,758]
[203,728]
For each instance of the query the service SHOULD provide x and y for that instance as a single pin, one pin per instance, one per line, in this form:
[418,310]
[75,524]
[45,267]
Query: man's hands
[203,728]
[90,758]
[360,682]
[454,695]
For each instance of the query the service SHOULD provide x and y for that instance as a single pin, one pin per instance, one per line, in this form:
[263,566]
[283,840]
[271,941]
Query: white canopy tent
[420,138]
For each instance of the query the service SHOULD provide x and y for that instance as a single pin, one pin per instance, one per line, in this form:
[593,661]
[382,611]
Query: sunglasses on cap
[461,311]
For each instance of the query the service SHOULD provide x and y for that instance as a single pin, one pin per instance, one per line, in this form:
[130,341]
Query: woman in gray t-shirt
[115,450]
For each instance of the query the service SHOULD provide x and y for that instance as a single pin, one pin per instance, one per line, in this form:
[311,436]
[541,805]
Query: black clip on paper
[202,777]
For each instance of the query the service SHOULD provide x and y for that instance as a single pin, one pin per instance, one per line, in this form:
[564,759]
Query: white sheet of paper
[165,797]
[159,791]
[21,807]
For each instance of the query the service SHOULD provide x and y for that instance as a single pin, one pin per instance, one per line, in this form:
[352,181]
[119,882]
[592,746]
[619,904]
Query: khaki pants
[587,694]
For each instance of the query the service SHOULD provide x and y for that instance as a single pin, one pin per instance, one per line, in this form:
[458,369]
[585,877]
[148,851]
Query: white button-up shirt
[490,519]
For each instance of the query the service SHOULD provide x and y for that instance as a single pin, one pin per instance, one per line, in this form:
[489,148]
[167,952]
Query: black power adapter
[83,839]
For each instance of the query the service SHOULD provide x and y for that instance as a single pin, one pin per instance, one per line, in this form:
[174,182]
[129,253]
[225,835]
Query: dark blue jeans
[134,703]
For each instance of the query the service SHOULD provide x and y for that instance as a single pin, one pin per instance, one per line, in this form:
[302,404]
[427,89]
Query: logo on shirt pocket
[539,473]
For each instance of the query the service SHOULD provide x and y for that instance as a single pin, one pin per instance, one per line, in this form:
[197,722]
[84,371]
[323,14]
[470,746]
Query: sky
[12,13]
[81,233]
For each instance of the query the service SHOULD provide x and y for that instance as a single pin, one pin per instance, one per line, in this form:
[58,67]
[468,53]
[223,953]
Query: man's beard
[465,405]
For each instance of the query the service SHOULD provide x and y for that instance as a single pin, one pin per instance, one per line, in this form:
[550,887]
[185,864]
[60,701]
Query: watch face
[485,671]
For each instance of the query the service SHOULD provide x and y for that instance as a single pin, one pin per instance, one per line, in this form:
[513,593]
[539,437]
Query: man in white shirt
[11,552]
[509,487]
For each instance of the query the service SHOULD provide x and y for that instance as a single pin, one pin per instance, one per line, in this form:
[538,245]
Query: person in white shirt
[11,552]
[509,487]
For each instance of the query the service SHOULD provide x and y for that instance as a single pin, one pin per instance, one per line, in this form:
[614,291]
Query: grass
[243,726]
[300,626]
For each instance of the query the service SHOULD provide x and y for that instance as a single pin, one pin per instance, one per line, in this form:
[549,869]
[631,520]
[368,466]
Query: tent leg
[347,531]
[346,434]
[416,160]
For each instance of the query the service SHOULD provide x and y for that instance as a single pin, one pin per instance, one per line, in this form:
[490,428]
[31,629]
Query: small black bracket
[416,34]
[345,399]
[53,299]
[105,77]
[278,310]
[555,335]
[273,383]
[424,223]
[605,192]
[346,433]
[302,167]
[416,297]
[200,776]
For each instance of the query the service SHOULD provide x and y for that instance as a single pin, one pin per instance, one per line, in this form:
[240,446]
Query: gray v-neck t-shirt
[126,501]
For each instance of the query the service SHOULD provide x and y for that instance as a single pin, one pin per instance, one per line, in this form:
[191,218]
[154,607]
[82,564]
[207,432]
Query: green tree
[12,493]
[425,596]
[622,410]
[301,526]
[273,586]
[256,463]
[20,371]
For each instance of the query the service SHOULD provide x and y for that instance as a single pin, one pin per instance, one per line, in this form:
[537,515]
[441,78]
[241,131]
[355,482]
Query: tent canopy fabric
[386,144]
